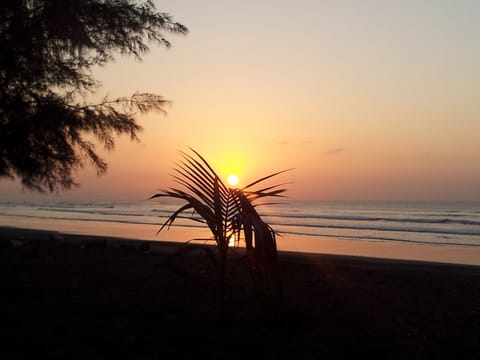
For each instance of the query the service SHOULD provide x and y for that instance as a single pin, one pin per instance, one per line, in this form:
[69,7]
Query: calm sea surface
[449,224]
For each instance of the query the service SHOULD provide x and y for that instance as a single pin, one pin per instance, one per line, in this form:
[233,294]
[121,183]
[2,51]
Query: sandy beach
[85,297]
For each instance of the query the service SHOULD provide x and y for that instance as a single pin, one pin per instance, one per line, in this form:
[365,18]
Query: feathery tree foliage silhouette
[228,211]
[48,49]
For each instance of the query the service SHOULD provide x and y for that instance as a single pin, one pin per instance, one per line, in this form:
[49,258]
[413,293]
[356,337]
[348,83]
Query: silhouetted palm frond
[227,212]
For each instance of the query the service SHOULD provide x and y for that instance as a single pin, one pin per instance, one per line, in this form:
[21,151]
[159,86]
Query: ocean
[430,231]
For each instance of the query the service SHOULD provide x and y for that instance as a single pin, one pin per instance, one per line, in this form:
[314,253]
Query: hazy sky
[365,99]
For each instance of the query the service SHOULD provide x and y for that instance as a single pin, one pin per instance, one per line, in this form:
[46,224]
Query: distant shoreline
[27,235]
[444,233]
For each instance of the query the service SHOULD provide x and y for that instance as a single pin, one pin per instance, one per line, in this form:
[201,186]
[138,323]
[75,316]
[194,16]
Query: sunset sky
[365,99]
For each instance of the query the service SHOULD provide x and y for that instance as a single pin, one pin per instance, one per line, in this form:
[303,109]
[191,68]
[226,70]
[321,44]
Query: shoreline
[22,236]
[374,251]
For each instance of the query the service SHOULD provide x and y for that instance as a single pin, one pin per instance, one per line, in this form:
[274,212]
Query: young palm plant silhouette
[228,211]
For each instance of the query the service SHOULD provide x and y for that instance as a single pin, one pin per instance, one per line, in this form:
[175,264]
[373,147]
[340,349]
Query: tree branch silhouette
[48,50]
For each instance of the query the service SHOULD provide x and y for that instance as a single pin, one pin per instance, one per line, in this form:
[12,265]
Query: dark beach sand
[73,297]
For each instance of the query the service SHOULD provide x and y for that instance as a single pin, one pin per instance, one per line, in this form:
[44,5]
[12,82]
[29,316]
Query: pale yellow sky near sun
[365,99]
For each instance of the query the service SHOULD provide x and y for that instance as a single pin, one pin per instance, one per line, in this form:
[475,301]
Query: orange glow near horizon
[231,241]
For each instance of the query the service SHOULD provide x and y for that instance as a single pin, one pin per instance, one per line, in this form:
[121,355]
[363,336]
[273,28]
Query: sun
[232,179]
